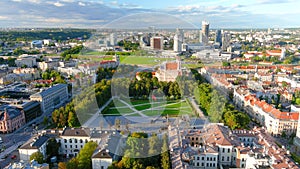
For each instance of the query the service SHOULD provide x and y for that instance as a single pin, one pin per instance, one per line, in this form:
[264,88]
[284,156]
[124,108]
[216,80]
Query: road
[12,141]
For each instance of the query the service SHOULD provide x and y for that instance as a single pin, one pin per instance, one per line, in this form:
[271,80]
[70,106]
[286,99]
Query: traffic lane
[6,161]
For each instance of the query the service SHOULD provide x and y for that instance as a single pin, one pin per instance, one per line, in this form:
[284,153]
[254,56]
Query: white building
[178,41]
[101,159]
[35,144]
[26,60]
[207,158]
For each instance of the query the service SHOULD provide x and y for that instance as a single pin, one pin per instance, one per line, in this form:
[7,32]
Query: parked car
[4,157]
[13,157]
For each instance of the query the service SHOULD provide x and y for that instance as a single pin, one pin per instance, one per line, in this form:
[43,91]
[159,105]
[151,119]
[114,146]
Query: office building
[178,40]
[52,97]
[157,43]
[226,40]
[218,37]
[204,34]
[32,109]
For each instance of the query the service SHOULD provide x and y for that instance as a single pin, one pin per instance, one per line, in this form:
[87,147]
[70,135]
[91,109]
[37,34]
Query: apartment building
[275,121]
[221,146]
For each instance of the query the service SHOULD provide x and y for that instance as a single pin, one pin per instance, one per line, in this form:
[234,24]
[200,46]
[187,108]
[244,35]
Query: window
[207,164]
[202,164]
[70,140]
[102,167]
[75,140]
[66,146]
[198,158]
[214,164]
[222,158]
[242,166]
[227,158]
[65,140]
[214,158]
[202,158]
[223,150]
[75,146]
[197,138]
[207,159]
[197,164]
[229,150]
[81,141]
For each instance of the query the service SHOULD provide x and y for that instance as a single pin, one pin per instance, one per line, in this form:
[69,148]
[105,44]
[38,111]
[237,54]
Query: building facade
[10,119]
[52,97]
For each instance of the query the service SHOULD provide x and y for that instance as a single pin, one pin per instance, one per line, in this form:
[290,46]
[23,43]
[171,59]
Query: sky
[144,13]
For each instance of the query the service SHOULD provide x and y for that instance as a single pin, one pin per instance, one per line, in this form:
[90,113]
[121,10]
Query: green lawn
[117,111]
[143,107]
[176,108]
[136,102]
[142,60]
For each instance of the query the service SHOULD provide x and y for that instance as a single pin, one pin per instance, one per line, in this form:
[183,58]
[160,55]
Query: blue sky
[143,13]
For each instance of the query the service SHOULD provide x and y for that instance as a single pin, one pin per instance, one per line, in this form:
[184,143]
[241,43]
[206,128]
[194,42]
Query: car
[4,157]
[13,157]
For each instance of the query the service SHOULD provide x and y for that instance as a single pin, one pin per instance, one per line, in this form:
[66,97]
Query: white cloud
[81,4]
[58,4]
[35,1]
[3,17]
[68,1]
[16,0]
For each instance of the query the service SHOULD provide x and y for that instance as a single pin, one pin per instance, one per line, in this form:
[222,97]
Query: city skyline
[95,13]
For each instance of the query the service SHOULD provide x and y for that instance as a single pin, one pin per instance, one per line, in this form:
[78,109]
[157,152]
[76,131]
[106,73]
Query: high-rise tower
[218,37]
[204,32]
[178,40]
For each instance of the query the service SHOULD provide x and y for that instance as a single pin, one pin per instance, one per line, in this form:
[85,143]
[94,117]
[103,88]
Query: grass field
[142,60]
[171,108]
[132,60]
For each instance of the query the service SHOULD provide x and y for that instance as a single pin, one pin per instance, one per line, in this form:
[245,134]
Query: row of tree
[143,152]
[53,75]
[213,104]
[65,116]
[55,34]
[89,100]
[67,54]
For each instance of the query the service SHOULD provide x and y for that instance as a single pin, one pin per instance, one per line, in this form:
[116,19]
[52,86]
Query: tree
[52,147]
[165,157]
[62,165]
[72,120]
[72,164]
[297,101]
[284,84]
[226,64]
[117,123]
[216,107]
[45,121]
[85,155]
[37,156]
